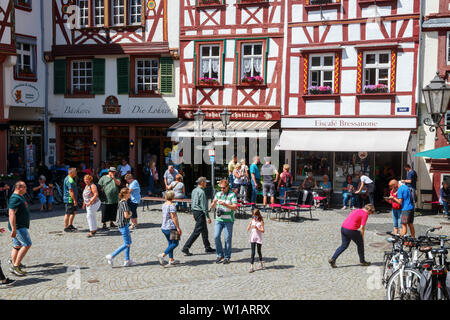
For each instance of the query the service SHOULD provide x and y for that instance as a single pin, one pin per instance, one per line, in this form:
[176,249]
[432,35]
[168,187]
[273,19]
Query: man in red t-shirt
[350,232]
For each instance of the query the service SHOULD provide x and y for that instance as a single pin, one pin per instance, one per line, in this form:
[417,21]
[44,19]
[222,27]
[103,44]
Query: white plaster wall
[406,6]
[348,81]
[403,102]
[335,34]
[375,107]
[297,15]
[431,6]
[354,32]
[314,15]
[347,106]
[352,6]
[293,106]
[405,63]
[320,107]
[294,84]
[173,26]
[298,36]
[349,57]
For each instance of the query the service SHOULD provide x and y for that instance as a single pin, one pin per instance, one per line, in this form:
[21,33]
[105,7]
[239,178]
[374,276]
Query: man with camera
[226,202]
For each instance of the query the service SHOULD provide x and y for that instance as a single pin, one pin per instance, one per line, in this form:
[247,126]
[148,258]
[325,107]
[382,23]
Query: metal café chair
[290,204]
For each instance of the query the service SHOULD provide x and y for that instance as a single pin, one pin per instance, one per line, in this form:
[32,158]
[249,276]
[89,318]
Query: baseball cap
[112,169]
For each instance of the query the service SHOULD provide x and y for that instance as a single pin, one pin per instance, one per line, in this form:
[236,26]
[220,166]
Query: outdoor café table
[147,200]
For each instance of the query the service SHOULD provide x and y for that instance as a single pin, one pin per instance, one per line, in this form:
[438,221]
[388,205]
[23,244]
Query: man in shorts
[135,198]
[267,172]
[70,200]
[405,200]
[18,224]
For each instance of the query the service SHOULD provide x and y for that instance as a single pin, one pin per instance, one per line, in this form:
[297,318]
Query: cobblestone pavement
[295,255]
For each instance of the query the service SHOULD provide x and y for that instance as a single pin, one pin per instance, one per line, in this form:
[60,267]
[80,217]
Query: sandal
[90,234]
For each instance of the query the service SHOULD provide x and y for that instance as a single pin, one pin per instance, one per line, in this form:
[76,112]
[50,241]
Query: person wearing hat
[110,185]
[199,203]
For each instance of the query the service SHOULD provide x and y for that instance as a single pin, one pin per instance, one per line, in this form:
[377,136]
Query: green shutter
[123,70]
[167,75]
[59,76]
[99,76]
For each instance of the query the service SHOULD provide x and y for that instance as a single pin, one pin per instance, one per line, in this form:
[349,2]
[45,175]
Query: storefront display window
[77,145]
[319,163]
[115,144]
[349,163]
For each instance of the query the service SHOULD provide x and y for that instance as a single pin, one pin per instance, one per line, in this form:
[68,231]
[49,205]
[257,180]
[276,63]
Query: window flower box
[257,80]
[209,2]
[81,92]
[320,90]
[208,81]
[379,88]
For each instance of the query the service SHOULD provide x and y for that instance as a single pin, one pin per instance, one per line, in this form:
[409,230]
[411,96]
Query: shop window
[319,163]
[99,13]
[83,18]
[377,66]
[321,74]
[118,12]
[135,7]
[25,68]
[349,163]
[209,64]
[252,63]
[77,145]
[146,75]
[81,77]
[447,122]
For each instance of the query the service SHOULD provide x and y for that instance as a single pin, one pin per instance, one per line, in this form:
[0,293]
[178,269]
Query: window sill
[252,3]
[31,78]
[252,85]
[23,7]
[151,94]
[219,6]
[323,6]
[390,95]
[94,28]
[328,96]
[79,96]
[207,85]
[371,2]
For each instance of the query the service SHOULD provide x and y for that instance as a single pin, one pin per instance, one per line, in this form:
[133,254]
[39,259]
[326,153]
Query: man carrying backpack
[110,186]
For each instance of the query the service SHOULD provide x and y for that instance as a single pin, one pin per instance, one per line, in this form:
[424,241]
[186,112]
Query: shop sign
[158,109]
[25,94]
[402,109]
[362,155]
[76,110]
[235,115]
[350,123]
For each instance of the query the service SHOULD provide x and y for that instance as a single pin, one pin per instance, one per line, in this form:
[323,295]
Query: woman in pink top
[350,232]
[257,227]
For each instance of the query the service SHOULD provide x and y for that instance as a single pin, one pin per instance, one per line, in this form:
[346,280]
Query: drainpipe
[419,88]
[45,84]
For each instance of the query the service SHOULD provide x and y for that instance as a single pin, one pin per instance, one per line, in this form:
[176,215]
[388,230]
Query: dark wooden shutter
[167,75]
[123,77]
[59,77]
[98,83]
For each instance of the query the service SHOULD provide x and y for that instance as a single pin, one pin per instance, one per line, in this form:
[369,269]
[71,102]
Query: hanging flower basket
[320,90]
[252,80]
[379,88]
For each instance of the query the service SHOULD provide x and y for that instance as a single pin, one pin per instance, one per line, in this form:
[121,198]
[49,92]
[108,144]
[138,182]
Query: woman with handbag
[396,208]
[92,203]
[170,228]
[285,182]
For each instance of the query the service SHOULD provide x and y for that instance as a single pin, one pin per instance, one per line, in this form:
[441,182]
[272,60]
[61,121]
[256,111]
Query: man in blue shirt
[405,200]
[411,181]
[255,175]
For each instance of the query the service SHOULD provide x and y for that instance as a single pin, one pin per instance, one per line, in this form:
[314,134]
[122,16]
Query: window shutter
[167,75]
[123,82]
[59,76]
[99,76]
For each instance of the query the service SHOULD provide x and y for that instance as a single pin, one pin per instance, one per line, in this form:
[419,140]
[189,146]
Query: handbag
[174,235]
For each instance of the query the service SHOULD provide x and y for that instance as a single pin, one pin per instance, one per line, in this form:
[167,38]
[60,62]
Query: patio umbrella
[439,153]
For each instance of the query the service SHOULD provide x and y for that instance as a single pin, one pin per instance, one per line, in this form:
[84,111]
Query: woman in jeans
[286,179]
[92,203]
[170,224]
[396,208]
[237,178]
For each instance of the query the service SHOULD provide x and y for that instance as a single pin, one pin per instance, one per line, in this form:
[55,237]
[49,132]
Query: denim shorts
[22,238]
[396,217]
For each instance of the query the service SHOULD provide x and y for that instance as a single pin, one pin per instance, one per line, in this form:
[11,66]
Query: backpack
[426,285]
[101,193]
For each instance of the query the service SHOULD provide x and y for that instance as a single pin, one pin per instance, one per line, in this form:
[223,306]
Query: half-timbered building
[113,80]
[350,88]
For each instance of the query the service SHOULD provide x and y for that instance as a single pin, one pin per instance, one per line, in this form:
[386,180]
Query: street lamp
[199,117]
[225,116]
[437,96]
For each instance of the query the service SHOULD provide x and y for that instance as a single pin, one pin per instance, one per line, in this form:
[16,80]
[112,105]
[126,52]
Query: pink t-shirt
[256,235]
[355,220]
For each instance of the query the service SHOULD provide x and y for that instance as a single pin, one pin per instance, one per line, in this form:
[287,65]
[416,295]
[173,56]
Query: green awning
[439,153]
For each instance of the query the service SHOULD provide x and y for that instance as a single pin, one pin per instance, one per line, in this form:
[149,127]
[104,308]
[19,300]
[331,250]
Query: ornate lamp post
[437,97]
[225,116]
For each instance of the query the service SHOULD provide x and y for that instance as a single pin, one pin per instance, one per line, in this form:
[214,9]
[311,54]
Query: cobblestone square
[295,256]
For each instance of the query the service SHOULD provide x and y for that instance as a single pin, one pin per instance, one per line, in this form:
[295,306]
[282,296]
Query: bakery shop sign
[235,115]
[25,94]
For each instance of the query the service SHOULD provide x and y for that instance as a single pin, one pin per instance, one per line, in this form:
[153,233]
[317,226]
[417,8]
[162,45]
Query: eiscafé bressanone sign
[235,115]
[350,123]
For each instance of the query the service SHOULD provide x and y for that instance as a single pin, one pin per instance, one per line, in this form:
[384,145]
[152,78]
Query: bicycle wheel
[57,196]
[403,288]
[387,268]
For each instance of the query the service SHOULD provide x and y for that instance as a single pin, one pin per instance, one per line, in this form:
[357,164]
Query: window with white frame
[252,60]
[209,61]
[26,62]
[448,48]
[447,121]
[118,12]
[81,76]
[135,11]
[83,18]
[23,3]
[321,72]
[99,13]
[146,75]
[377,66]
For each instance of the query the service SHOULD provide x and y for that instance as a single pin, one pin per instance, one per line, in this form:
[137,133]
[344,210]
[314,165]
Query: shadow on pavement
[28,281]
[45,265]
[280,267]
[376,264]
[53,271]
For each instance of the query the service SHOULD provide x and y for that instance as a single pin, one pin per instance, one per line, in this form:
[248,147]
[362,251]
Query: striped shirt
[229,198]
[122,208]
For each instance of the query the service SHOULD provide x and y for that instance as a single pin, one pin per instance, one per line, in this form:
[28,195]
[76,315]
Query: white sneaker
[344,208]
[109,258]
[129,263]
[161,259]
[174,262]
[353,208]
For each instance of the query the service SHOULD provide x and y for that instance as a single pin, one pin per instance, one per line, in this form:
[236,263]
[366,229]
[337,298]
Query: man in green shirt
[110,185]
[18,224]
[199,204]
[226,202]
[70,200]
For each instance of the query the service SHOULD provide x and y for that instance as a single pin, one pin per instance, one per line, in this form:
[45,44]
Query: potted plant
[252,80]
[320,90]
[208,81]
[80,91]
[379,88]
[26,72]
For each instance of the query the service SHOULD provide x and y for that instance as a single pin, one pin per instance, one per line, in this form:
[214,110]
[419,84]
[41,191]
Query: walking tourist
[245,180]
[70,200]
[226,202]
[123,222]
[255,176]
[353,230]
[256,226]
[404,198]
[125,169]
[285,182]
[171,229]
[231,166]
[411,181]
[110,186]
[135,198]
[169,176]
[365,181]
[177,186]
[267,172]
[5,282]
[348,187]
[92,203]
[325,185]
[45,194]
[153,178]
[238,178]
[396,207]
[444,197]
[18,224]
[199,204]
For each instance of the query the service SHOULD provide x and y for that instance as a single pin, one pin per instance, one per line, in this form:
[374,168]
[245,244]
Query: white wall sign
[349,123]
[25,94]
